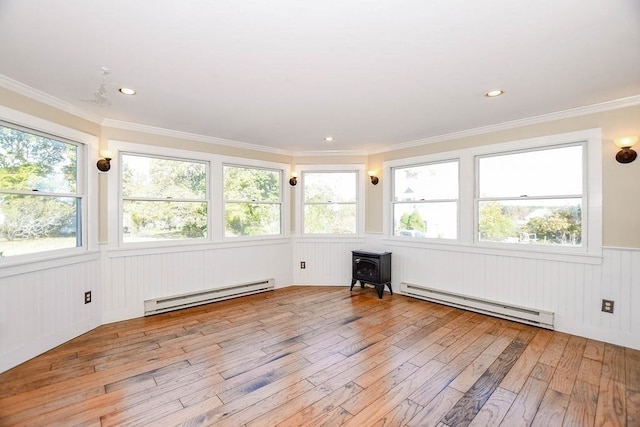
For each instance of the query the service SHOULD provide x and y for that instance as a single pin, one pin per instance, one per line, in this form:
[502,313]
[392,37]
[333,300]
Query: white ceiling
[286,73]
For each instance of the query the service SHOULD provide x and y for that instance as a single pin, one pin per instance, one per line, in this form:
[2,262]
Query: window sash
[168,196]
[239,220]
[172,217]
[348,197]
[436,226]
[508,230]
[58,197]
[276,172]
[450,168]
[325,224]
[554,161]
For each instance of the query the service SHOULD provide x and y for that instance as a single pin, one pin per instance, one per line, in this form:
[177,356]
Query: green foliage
[148,177]
[252,201]
[251,184]
[165,219]
[171,185]
[330,219]
[36,162]
[495,224]
[412,221]
[31,162]
[526,223]
[330,203]
[560,226]
[30,217]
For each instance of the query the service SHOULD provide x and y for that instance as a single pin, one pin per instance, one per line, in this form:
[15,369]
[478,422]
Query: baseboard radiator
[530,316]
[176,302]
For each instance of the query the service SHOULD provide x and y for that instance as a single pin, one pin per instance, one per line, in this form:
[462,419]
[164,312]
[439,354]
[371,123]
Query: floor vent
[530,316]
[176,302]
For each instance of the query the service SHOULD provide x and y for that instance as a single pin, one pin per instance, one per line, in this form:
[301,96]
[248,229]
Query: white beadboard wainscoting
[572,290]
[133,276]
[42,305]
[327,260]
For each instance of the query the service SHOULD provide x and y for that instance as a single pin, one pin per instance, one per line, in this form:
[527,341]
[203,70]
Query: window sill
[309,238]
[58,259]
[513,252]
[152,249]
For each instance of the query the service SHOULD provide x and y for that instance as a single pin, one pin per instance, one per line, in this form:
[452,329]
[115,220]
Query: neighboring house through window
[533,197]
[425,200]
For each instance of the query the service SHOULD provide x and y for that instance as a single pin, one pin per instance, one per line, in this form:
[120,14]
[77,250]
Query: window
[163,199]
[531,197]
[40,193]
[252,201]
[330,202]
[425,200]
[538,198]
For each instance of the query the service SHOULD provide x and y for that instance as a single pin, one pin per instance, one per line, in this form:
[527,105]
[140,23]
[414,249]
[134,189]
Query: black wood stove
[373,268]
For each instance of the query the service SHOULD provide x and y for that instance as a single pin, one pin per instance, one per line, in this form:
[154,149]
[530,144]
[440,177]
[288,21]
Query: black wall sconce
[104,164]
[294,179]
[626,154]
[374,178]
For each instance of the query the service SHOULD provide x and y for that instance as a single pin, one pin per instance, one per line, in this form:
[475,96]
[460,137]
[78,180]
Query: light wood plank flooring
[312,356]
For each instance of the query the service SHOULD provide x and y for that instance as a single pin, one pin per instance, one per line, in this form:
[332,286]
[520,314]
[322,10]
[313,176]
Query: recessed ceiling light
[329,138]
[494,93]
[127,91]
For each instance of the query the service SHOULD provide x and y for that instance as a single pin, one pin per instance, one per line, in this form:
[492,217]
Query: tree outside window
[252,201]
[532,197]
[163,199]
[40,203]
[425,200]
[330,202]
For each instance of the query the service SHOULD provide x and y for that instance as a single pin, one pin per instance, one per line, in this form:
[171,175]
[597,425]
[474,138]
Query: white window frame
[359,170]
[591,250]
[280,202]
[215,221]
[87,190]
[425,202]
[583,196]
[122,198]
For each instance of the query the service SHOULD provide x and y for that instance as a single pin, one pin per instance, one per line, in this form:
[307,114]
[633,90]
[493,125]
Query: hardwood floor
[312,356]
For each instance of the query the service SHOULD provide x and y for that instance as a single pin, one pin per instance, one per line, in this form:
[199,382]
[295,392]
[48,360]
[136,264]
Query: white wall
[43,307]
[327,260]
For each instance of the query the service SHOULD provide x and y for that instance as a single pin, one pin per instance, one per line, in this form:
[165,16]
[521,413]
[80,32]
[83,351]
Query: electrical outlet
[303,265]
[607,306]
[87,297]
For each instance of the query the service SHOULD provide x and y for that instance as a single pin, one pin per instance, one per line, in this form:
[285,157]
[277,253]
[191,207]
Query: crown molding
[37,95]
[117,124]
[559,115]
[329,153]
[45,98]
